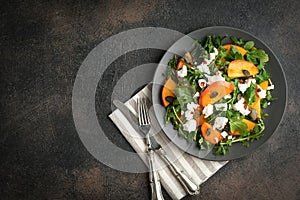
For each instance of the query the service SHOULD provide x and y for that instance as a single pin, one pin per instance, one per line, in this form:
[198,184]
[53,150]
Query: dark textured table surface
[42,46]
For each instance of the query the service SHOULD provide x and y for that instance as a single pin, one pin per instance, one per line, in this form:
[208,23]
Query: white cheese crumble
[182,112]
[221,106]
[202,83]
[196,95]
[182,72]
[228,96]
[229,137]
[224,134]
[208,110]
[214,78]
[261,92]
[203,67]
[220,123]
[244,86]
[213,55]
[191,106]
[190,125]
[241,107]
[189,113]
[271,87]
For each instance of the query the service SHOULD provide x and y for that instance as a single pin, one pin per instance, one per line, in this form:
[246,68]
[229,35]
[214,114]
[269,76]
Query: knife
[189,186]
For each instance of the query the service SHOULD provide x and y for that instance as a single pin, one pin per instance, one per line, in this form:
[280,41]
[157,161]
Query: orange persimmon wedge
[211,134]
[264,85]
[250,125]
[188,57]
[168,91]
[241,68]
[241,50]
[256,106]
[200,120]
[215,92]
[181,63]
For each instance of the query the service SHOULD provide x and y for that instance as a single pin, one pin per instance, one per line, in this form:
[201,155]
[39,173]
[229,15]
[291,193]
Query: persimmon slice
[256,106]
[168,91]
[215,92]
[241,50]
[181,63]
[264,85]
[211,134]
[241,68]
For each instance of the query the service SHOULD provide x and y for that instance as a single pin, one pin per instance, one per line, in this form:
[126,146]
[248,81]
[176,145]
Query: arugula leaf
[250,94]
[262,76]
[184,95]
[172,64]
[233,115]
[249,45]
[239,42]
[212,42]
[257,56]
[263,57]
[198,53]
[217,40]
[239,126]
[208,44]
[264,103]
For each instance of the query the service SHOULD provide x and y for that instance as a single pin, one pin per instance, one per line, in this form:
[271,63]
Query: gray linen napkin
[199,170]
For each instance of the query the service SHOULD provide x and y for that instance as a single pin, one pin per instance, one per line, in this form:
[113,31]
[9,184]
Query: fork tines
[143,114]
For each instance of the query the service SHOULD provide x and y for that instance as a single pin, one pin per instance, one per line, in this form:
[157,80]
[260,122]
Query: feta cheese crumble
[191,106]
[221,106]
[244,86]
[224,134]
[261,92]
[203,67]
[202,83]
[196,95]
[228,96]
[190,109]
[271,87]
[241,107]
[188,115]
[208,110]
[220,123]
[182,72]
[190,125]
[214,78]
[213,55]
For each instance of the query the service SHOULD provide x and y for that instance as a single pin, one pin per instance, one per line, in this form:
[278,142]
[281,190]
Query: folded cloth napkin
[199,170]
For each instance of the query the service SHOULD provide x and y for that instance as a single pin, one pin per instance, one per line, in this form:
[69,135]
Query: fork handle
[185,181]
[156,192]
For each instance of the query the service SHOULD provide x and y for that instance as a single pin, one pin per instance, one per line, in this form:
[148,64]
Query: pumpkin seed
[170,99]
[246,72]
[213,94]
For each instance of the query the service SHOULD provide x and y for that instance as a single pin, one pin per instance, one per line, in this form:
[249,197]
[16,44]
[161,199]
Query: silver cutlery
[190,187]
[144,124]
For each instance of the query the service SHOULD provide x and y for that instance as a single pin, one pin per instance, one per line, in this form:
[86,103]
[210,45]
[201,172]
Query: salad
[215,94]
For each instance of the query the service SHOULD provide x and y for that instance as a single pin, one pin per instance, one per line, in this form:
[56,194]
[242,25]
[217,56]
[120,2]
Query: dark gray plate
[275,110]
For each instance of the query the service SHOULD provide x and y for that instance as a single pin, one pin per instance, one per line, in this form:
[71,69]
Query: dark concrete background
[42,45]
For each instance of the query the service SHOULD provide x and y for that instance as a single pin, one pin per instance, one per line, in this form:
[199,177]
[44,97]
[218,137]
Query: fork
[144,121]
[144,124]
